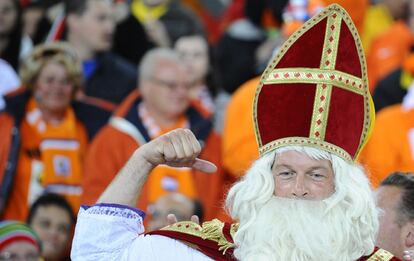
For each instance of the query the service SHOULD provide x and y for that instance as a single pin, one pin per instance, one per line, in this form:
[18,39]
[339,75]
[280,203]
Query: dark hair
[12,51]
[51,199]
[75,6]
[405,182]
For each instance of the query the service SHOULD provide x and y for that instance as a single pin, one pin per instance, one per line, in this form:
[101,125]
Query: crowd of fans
[83,83]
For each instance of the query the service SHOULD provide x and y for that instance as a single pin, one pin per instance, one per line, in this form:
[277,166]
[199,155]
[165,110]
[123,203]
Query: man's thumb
[204,166]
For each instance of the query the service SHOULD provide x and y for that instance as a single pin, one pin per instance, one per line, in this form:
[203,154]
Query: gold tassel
[213,230]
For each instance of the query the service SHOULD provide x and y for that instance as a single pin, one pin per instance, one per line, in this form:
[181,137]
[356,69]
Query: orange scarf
[58,166]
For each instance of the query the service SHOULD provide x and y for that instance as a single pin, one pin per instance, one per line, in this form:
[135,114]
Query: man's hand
[409,255]
[172,219]
[177,148]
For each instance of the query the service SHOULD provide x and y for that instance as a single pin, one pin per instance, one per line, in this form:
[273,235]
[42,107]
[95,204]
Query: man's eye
[317,176]
[286,174]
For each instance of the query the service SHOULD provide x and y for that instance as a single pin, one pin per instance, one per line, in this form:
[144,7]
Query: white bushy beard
[291,229]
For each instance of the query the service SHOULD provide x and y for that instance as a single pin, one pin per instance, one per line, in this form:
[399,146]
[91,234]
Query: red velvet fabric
[345,120]
[347,57]
[307,50]
[285,110]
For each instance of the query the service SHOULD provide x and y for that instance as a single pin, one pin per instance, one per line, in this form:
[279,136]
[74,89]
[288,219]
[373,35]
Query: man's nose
[300,190]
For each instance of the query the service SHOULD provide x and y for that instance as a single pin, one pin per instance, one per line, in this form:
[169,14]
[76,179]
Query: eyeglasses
[172,85]
[7,256]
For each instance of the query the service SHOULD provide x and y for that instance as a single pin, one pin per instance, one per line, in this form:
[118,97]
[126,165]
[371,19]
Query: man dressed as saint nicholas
[304,199]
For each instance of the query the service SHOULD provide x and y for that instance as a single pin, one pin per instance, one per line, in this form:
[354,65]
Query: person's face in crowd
[8,16]
[194,53]
[296,175]
[397,8]
[393,235]
[53,91]
[20,250]
[179,205]
[95,27]
[53,225]
[167,91]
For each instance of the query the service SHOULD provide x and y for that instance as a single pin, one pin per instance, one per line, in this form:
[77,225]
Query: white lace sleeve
[114,232]
[105,231]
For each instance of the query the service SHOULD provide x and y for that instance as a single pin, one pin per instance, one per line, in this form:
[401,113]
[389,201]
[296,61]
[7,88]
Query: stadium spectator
[53,220]
[90,30]
[45,132]
[18,242]
[162,105]
[182,207]
[395,197]
[14,45]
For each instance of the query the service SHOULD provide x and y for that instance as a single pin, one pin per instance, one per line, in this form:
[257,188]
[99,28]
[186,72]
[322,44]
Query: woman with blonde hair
[45,132]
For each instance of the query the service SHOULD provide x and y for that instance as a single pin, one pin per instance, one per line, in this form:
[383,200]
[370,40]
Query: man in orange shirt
[238,132]
[391,147]
[162,105]
[388,50]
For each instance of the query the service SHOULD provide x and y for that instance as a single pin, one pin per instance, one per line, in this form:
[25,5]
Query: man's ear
[409,236]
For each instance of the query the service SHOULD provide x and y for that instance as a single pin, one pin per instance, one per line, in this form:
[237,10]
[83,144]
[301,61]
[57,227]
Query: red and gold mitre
[315,91]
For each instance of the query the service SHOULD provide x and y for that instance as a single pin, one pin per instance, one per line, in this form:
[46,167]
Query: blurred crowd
[83,83]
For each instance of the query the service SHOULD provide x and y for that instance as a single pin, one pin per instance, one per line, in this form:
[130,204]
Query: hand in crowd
[408,255]
[178,148]
[172,219]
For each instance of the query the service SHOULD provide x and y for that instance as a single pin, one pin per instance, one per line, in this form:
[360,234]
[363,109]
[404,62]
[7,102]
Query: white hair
[348,220]
[152,58]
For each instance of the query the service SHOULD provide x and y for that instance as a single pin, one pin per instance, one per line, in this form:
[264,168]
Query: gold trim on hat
[323,92]
[317,76]
[308,142]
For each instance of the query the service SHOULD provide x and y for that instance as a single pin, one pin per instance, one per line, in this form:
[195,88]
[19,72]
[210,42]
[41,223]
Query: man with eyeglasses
[160,104]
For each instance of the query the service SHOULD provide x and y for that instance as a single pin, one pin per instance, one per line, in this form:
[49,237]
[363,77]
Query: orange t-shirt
[240,148]
[164,179]
[388,52]
[391,147]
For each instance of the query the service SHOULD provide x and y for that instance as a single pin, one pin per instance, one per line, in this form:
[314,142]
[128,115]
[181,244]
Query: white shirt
[9,81]
[115,232]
